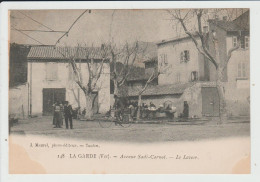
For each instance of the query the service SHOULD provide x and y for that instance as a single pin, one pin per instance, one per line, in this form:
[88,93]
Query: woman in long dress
[57,115]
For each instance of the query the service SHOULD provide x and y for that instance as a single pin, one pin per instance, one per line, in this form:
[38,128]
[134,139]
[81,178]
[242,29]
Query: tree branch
[233,49]
[150,79]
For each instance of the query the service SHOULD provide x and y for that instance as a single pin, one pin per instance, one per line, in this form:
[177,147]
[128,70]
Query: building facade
[51,79]
[181,63]
[237,80]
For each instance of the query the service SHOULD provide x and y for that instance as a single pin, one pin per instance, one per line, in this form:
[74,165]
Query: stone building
[184,65]
[51,79]
[186,75]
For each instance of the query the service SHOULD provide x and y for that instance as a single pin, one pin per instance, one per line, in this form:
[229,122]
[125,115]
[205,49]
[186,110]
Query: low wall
[238,101]
[18,101]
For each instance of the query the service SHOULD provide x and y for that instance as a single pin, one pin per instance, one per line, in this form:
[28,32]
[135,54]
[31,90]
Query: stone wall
[237,100]
[18,101]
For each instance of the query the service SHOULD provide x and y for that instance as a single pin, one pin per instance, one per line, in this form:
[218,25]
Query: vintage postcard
[129,91]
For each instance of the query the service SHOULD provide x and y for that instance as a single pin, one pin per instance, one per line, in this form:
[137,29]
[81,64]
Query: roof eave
[135,95]
[174,40]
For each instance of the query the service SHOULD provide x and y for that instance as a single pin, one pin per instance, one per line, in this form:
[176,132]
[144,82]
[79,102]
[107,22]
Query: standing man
[68,114]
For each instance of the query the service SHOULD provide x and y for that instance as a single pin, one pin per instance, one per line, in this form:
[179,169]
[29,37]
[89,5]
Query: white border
[255,90]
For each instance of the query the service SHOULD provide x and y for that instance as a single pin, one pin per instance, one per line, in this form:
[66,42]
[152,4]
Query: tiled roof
[51,52]
[240,23]
[243,20]
[175,39]
[228,26]
[152,90]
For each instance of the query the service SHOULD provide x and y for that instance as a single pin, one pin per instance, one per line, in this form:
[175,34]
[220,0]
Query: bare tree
[153,76]
[200,38]
[127,56]
[94,70]
[162,68]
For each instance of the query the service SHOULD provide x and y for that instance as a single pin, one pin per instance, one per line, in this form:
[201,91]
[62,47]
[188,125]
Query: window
[241,70]
[182,57]
[164,60]
[51,71]
[246,41]
[163,63]
[242,43]
[194,76]
[185,56]
[234,41]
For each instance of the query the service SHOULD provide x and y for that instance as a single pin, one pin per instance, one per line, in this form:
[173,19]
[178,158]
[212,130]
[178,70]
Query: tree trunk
[220,85]
[139,107]
[221,92]
[89,108]
[115,88]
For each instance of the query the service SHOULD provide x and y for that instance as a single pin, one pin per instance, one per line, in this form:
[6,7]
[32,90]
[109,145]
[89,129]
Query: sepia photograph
[129,91]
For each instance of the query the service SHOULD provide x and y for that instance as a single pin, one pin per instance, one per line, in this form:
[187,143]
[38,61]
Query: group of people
[168,109]
[62,111]
[146,110]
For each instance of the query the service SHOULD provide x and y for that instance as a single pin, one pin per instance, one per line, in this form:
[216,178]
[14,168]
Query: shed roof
[152,90]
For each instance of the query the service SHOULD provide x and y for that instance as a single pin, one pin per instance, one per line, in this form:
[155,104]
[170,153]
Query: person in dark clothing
[54,116]
[186,110]
[119,108]
[68,114]
[61,113]
[57,115]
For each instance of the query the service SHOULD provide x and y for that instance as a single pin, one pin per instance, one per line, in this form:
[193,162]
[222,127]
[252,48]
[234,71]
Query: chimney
[225,18]
[205,29]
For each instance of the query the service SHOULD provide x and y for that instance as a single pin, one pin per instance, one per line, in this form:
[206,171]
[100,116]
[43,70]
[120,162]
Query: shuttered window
[246,41]
[185,56]
[241,70]
[51,71]
[234,41]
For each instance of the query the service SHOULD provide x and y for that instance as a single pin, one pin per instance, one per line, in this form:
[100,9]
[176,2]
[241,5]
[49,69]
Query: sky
[92,28]
[95,28]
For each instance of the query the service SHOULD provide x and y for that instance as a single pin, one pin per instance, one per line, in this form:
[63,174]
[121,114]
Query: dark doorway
[210,101]
[50,96]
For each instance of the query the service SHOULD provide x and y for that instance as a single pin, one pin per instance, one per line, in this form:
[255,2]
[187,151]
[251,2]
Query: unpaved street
[145,132]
